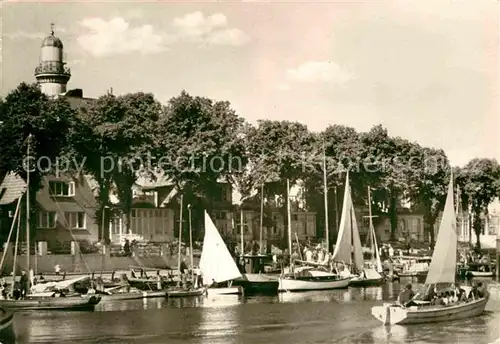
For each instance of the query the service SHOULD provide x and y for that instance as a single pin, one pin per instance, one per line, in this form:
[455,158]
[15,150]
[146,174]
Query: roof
[52,41]
[12,188]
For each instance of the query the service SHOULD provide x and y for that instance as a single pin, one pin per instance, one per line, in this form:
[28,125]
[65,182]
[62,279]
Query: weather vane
[52,29]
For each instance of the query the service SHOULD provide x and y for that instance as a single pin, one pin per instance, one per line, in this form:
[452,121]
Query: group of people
[445,297]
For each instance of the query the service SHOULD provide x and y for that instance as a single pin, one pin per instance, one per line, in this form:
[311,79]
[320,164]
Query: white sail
[216,263]
[348,240]
[343,245]
[444,258]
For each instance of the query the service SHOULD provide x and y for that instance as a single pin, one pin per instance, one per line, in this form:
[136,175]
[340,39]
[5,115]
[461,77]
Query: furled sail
[444,258]
[216,263]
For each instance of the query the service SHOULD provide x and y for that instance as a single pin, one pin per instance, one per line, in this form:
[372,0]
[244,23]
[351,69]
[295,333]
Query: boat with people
[217,267]
[428,304]
[480,270]
[309,276]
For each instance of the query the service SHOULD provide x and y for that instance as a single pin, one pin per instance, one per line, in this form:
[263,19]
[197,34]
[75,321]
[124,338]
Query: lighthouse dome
[52,41]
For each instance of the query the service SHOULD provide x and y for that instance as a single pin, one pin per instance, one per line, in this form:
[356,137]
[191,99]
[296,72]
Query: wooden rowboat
[186,292]
[134,295]
[390,314]
[47,302]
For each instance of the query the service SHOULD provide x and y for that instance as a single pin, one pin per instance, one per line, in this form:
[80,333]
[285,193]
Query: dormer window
[62,189]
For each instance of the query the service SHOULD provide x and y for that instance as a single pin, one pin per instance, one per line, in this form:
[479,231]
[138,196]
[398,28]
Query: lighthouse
[51,73]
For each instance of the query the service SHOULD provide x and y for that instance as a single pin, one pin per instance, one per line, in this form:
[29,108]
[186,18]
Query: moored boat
[186,292]
[305,278]
[49,301]
[217,266]
[309,278]
[7,334]
[442,271]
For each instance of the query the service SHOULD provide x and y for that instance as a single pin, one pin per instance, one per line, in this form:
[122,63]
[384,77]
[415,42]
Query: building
[65,209]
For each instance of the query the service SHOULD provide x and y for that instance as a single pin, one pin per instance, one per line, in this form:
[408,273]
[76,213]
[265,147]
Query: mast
[191,242]
[241,232]
[180,235]
[28,211]
[261,216]
[289,218]
[370,220]
[325,192]
[336,210]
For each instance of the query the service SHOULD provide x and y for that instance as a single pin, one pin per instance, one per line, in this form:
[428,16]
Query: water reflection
[341,316]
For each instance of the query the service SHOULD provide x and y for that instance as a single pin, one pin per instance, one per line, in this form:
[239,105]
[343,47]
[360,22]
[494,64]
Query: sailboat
[371,272]
[304,278]
[217,266]
[441,274]
[195,289]
[52,299]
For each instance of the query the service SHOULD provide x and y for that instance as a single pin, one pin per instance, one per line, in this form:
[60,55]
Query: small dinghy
[441,272]
[186,292]
[52,301]
[217,266]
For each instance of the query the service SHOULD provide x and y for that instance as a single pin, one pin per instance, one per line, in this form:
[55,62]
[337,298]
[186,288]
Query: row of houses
[66,208]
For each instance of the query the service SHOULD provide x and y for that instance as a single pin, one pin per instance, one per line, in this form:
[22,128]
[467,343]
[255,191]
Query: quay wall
[88,263]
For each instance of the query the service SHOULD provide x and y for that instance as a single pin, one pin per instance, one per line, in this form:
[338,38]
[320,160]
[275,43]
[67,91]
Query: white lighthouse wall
[52,89]
[51,54]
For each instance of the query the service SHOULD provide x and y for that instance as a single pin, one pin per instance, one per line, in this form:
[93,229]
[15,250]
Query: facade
[410,227]
[65,209]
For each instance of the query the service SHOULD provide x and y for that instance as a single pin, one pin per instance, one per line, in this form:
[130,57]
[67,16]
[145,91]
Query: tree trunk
[393,216]
[477,228]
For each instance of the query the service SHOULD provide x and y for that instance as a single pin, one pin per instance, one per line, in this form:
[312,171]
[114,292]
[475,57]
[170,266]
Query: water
[340,316]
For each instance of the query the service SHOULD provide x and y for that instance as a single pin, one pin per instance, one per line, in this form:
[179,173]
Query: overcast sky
[427,70]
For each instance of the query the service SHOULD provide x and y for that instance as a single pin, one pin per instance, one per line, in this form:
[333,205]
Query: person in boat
[460,293]
[438,300]
[309,255]
[406,295]
[481,290]
[24,284]
[158,280]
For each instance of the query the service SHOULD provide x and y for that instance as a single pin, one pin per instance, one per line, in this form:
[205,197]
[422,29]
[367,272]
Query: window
[46,219]
[64,189]
[295,217]
[220,215]
[76,220]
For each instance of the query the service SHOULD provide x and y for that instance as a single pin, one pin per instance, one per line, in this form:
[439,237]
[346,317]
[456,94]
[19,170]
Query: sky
[428,70]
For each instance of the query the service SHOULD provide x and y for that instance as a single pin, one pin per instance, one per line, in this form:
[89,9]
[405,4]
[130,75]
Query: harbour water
[339,316]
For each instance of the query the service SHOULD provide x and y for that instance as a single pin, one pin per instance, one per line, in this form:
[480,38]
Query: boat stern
[389,314]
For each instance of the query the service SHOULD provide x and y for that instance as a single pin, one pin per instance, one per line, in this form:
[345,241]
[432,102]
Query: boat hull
[7,334]
[391,315]
[291,284]
[480,274]
[258,284]
[186,293]
[366,282]
[233,290]
[133,295]
[53,303]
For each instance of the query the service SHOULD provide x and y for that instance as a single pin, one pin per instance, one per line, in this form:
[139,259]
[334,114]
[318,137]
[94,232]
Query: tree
[430,178]
[479,183]
[277,151]
[95,142]
[201,144]
[27,112]
[136,129]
